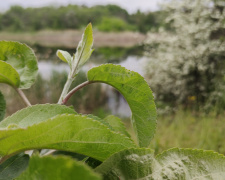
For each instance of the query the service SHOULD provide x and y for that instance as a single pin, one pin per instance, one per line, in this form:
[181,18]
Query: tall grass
[185,129]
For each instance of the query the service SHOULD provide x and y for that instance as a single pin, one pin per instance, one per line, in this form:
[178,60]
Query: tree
[187,64]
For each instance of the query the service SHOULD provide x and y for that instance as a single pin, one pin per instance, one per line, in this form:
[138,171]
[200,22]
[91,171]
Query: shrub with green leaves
[108,24]
[53,141]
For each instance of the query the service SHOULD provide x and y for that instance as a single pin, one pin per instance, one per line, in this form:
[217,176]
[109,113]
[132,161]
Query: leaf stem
[64,101]
[65,89]
[23,96]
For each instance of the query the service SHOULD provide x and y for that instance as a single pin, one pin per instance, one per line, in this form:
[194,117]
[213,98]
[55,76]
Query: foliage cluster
[105,18]
[103,146]
[186,65]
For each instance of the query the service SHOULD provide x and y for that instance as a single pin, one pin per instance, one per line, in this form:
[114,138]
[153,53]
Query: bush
[189,60]
[114,24]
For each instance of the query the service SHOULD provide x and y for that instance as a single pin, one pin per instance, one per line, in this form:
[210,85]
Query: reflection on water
[47,67]
[116,103]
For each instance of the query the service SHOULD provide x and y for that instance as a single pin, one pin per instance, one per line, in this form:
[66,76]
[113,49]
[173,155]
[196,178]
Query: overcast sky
[130,5]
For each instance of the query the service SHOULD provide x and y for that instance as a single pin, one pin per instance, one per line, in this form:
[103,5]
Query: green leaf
[65,132]
[127,164]
[22,59]
[76,156]
[35,114]
[2,106]
[189,164]
[100,120]
[64,56]
[84,48]
[117,124]
[113,123]
[57,168]
[91,162]
[13,166]
[9,75]
[137,93]
[172,164]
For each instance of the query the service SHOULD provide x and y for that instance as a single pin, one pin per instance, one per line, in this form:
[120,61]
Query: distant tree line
[104,18]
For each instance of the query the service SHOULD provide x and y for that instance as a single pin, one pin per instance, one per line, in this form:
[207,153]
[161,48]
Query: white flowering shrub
[186,66]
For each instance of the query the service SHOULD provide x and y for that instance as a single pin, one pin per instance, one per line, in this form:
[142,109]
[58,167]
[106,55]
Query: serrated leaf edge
[118,91]
[29,107]
[52,119]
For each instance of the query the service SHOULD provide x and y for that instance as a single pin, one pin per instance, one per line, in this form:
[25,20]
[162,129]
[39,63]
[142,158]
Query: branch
[65,89]
[64,101]
[23,96]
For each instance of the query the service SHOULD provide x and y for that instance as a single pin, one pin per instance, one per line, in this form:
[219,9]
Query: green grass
[187,130]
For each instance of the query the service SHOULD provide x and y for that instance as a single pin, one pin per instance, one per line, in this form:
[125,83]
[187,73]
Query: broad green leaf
[9,75]
[2,106]
[189,164]
[13,166]
[127,164]
[35,114]
[100,120]
[137,93]
[57,168]
[64,56]
[172,164]
[22,59]
[65,132]
[117,124]
[84,48]
[112,122]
